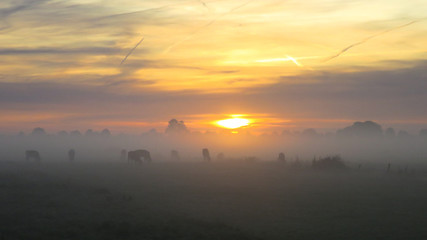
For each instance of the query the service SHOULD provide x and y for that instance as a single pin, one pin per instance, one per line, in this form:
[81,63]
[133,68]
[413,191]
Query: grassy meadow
[195,200]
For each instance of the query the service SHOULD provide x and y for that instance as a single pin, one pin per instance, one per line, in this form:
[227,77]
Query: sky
[133,65]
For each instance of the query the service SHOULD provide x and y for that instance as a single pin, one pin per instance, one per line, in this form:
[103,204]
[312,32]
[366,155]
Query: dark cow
[206,155]
[71,155]
[175,155]
[123,154]
[281,157]
[33,154]
[136,156]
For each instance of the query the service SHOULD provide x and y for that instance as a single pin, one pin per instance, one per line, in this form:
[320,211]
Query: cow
[33,154]
[71,155]
[175,155]
[206,155]
[281,157]
[136,156]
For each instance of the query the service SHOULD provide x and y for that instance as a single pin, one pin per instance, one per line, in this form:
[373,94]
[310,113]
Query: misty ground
[191,200]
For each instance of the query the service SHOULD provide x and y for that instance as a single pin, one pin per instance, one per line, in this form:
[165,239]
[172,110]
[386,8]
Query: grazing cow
[175,155]
[33,154]
[123,154]
[281,157]
[206,155]
[136,156]
[71,155]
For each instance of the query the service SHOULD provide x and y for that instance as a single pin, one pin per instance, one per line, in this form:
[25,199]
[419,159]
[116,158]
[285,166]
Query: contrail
[204,4]
[205,26]
[368,38]
[289,59]
[294,61]
[133,49]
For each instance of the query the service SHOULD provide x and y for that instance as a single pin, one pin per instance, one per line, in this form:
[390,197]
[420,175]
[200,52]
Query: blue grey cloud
[50,50]
[393,94]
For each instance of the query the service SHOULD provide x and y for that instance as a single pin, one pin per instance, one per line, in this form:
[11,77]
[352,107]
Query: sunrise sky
[284,64]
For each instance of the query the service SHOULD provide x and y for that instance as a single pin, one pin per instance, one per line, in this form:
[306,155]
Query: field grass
[107,200]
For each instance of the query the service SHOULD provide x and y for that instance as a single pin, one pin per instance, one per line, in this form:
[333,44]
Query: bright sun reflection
[233,123]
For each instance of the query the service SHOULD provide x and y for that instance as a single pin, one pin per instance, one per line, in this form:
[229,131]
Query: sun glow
[233,123]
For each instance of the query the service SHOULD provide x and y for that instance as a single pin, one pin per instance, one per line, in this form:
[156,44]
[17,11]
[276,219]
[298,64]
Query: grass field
[261,200]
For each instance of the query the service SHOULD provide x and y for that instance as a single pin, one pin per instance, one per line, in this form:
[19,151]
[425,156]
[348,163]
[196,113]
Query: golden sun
[233,123]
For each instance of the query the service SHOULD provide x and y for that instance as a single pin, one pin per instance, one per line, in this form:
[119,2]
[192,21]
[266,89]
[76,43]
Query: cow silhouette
[71,155]
[281,157]
[34,155]
[138,156]
[123,154]
[175,155]
[206,155]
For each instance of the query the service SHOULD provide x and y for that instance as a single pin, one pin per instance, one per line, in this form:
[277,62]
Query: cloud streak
[367,39]
[5,13]
[204,4]
[205,26]
[50,50]
[394,92]
[238,46]
[131,51]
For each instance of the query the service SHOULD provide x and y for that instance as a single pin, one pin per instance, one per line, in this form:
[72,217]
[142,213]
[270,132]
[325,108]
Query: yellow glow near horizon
[233,123]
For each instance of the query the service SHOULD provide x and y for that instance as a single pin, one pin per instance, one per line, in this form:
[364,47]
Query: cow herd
[143,156]
[136,156]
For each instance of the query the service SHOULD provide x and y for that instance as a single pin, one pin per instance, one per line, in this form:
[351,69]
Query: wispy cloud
[88,56]
[50,50]
[5,13]
[191,35]
[369,38]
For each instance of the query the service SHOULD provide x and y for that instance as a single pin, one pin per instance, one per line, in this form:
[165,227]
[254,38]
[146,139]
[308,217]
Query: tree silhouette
[106,133]
[403,134]
[176,127]
[390,133]
[362,129]
[38,131]
[75,133]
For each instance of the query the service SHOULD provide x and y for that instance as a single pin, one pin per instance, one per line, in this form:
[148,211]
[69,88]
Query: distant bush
[362,129]
[330,162]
